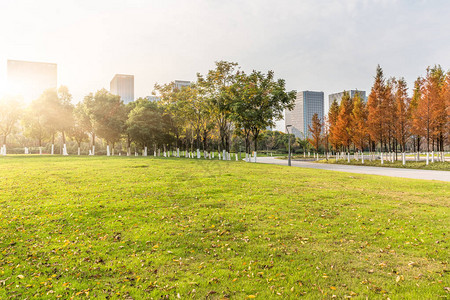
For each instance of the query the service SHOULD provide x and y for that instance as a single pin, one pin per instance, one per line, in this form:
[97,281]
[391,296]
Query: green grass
[442,166]
[117,227]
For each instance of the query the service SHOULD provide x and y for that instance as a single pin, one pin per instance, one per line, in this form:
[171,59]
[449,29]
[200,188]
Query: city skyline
[312,45]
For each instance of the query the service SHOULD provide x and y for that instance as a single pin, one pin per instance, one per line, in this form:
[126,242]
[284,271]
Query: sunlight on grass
[149,227]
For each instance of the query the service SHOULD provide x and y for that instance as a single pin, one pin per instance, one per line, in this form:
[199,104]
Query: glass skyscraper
[307,104]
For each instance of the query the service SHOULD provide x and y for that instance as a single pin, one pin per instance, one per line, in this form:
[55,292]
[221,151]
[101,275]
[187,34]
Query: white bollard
[198,153]
[348,157]
[90,152]
[236,157]
[219,156]
[40,150]
[93,150]
[428,154]
[79,151]
[53,149]
[403,158]
[256,155]
[135,153]
[362,157]
[145,151]
[107,151]
[382,161]
[178,152]
[65,150]
[432,156]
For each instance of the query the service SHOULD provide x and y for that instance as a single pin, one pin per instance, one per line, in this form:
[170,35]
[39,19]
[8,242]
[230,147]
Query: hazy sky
[314,45]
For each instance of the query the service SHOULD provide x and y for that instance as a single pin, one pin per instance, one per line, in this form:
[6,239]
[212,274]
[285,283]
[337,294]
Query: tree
[333,114]
[425,115]
[401,120]
[80,125]
[57,112]
[388,114]
[10,112]
[34,122]
[109,116]
[144,123]
[316,131]
[259,100]
[359,123]
[65,112]
[343,123]
[413,114]
[375,119]
[173,107]
[217,84]
[128,108]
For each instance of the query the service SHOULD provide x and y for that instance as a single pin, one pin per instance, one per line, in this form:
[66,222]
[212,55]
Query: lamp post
[289,143]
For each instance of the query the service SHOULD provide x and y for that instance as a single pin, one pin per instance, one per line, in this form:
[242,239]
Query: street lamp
[289,151]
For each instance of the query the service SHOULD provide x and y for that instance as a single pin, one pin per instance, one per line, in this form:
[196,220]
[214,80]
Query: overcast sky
[314,45]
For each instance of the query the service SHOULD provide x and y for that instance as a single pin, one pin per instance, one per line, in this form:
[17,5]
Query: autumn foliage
[391,120]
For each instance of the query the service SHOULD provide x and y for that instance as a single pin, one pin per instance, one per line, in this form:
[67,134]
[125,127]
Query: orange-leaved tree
[343,124]
[401,121]
[316,132]
[413,113]
[359,122]
[375,109]
[333,114]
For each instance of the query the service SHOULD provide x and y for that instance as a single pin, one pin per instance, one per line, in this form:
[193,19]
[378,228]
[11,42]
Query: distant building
[153,98]
[123,85]
[307,104]
[338,96]
[29,79]
[181,83]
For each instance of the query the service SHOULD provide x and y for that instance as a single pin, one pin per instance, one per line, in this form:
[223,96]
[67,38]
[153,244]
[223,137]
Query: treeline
[390,121]
[217,112]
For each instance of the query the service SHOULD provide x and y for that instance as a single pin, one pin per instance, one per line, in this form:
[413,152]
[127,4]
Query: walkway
[393,172]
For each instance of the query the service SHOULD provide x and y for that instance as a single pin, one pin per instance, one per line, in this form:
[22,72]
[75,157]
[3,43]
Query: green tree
[109,115]
[80,126]
[216,85]
[145,123]
[10,112]
[34,122]
[259,100]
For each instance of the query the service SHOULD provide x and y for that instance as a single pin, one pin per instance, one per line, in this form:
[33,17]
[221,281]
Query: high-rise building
[307,104]
[29,79]
[181,83]
[338,96]
[123,85]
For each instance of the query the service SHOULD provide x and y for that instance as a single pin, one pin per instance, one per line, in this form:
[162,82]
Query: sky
[315,45]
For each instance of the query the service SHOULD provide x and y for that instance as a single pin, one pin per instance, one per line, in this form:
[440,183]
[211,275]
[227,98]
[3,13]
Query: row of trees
[390,120]
[225,103]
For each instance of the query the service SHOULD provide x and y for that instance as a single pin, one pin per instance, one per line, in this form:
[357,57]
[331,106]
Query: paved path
[393,172]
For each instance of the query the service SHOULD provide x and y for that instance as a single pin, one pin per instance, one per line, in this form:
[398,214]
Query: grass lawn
[442,166]
[133,228]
